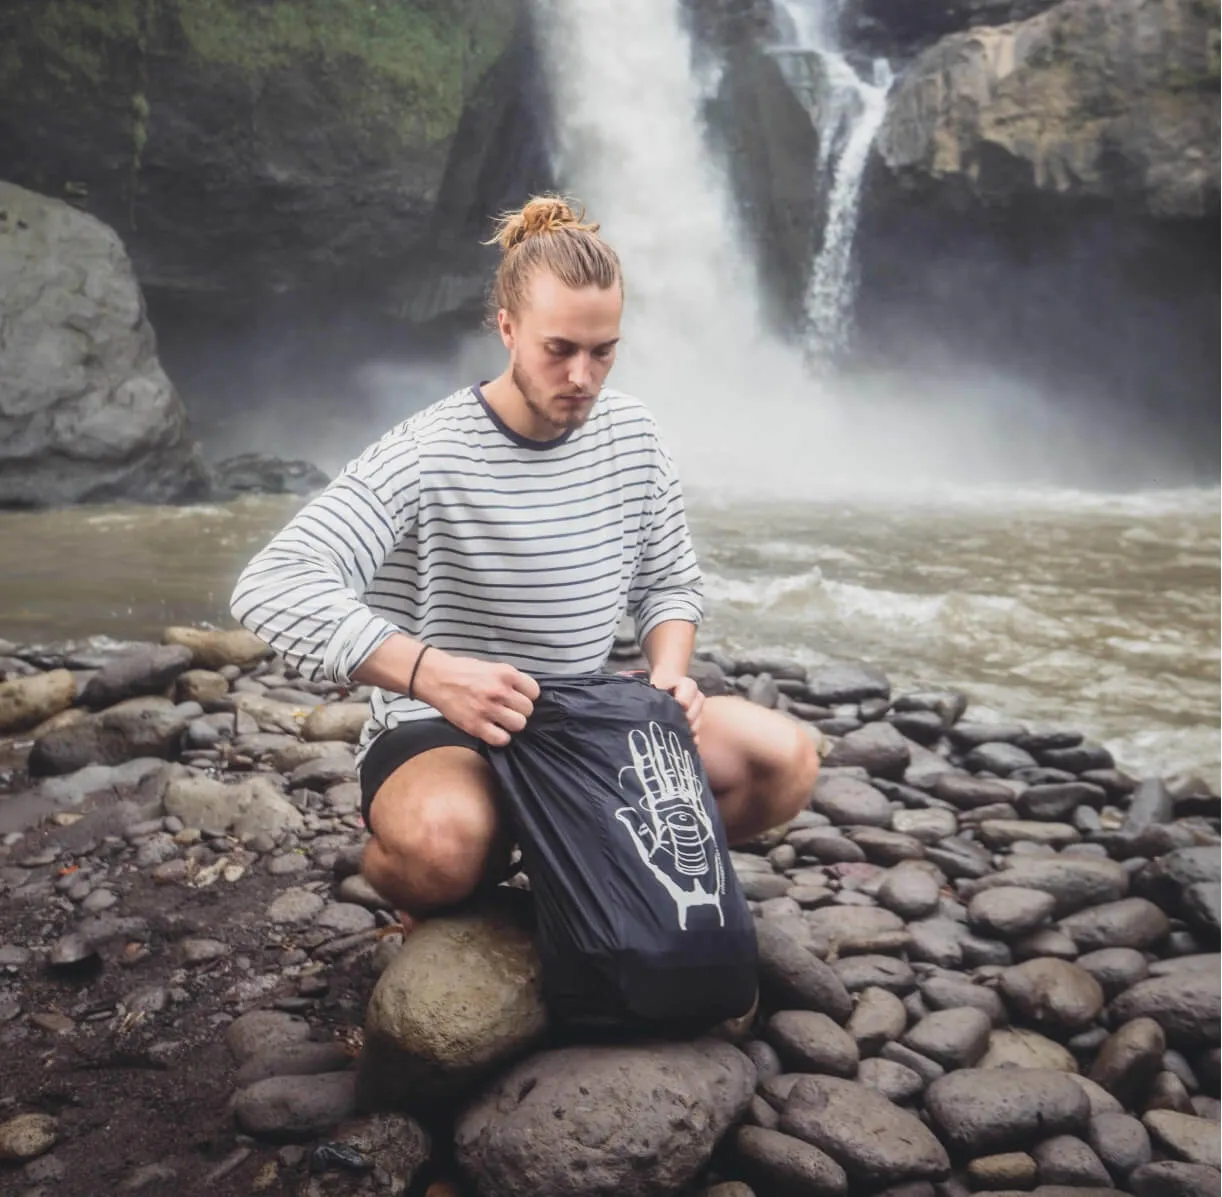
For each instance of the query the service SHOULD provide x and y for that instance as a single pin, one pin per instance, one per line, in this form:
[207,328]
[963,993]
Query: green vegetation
[408,64]
[405,67]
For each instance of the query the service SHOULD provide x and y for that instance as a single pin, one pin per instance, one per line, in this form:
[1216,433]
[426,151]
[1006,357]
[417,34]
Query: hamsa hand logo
[669,824]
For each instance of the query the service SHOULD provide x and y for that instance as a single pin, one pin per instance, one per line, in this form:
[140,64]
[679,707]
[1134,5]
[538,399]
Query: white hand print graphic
[669,825]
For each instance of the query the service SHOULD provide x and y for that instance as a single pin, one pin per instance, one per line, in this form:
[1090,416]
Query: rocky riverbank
[988,963]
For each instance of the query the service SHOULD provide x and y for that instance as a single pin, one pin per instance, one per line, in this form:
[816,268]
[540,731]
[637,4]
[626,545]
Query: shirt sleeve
[303,593]
[667,583]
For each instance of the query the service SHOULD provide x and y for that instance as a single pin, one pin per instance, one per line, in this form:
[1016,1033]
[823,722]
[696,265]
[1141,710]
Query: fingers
[525,684]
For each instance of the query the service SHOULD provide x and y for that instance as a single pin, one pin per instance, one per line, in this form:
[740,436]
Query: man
[501,533]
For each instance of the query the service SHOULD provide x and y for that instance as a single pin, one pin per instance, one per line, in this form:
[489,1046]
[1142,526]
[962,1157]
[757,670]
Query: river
[1063,608]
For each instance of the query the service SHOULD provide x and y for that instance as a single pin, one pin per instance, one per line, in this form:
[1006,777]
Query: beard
[537,402]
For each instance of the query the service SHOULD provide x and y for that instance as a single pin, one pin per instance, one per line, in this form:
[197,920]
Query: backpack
[640,919]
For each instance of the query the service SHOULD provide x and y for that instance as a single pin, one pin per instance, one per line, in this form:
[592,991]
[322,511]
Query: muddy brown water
[1063,608]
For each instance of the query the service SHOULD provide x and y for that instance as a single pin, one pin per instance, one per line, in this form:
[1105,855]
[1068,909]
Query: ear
[504,325]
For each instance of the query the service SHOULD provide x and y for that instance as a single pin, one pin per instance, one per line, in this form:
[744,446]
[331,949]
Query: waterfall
[848,111]
[629,141]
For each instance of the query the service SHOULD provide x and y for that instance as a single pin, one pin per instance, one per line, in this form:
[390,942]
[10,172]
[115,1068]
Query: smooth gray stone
[1067,1160]
[779,1163]
[1121,1142]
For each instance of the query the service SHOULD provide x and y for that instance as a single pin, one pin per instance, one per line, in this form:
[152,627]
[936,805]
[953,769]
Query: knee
[438,856]
[798,772]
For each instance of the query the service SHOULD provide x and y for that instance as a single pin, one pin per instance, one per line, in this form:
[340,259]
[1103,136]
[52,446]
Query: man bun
[540,214]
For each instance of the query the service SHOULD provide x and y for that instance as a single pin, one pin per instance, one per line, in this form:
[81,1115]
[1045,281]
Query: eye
[604,351]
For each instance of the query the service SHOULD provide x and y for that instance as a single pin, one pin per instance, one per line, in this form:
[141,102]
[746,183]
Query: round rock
[1130,923]
[952,1038]
[27,1136]
[1185,1004]
[1052,993]
[1010,911]
[810,1042]
[779,1163]
[981,1111]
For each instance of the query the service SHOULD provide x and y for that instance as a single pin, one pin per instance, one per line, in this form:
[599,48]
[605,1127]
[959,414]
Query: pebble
[1067,1160]
[1054,993]
[1130,1059]
[1116,969]
[295,906]
[263,1030]
[345,918]
[1185,1136]
[296,1106]
[777,1162]
[1010,911]
[910,892]
[878,1018]
[1129,923]
[980,1111]
[955,1038]
[793,978]
[27,1136]
[809,1042]
[1174,1179]
[1006,1170]
[893,1080]
[1185,1004]
[200,951]
[945,993]
[1120,1141]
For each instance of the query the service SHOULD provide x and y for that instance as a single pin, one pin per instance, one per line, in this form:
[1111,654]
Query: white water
[849,112]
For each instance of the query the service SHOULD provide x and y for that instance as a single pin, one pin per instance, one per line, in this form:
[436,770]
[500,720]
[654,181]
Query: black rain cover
[640,915]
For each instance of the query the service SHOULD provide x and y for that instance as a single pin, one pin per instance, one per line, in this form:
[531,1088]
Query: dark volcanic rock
[793,978]
[1053,993]
[779,1163]
[603,1121]
[296,1106]
[147,672]
[257,473]
[847,681]
[847,801]
[1186,1005]
[993,1110]
[878,748]
[1074,882]
[875,1141]
[139,727]
[1130,923]
[811,1042]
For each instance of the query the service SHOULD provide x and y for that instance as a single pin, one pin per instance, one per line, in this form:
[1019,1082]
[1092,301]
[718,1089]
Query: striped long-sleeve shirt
[465,535]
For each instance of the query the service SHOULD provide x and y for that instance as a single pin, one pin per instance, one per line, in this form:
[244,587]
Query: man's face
[561,349]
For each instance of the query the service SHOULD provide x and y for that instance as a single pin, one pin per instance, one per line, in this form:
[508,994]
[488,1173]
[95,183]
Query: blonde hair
[545,233]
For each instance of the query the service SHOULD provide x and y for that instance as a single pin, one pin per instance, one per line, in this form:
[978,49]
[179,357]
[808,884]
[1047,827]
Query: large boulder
[462,998]
[1114,99]
[86,411]
[610,1121]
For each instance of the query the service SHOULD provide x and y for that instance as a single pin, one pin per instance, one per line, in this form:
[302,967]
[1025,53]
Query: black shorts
[398,745]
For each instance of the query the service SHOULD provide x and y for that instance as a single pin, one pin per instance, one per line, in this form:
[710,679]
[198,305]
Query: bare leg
[762,765]
[437,832]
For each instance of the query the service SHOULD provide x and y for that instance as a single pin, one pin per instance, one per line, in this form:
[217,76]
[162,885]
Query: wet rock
[1184,1136]
[1007,1170]
[1202,906]
[1046,942]
[1115,968]
[345,918]
[150,670]
[264,1030]
[1130,1059]
[336,721]
[27,1136]
[875,1141]
[1174,1179]
[139,727]
[884,847]
[204,686]
[296,1106]
[894,1081]
[603,1121]
[1130,923]
[1101,1101]
[293,1059]
[982,1111]
[846,681]
[779,1163]
[1150,804]
[860,972]
[1186,1006]
[971,793]
[1074,882]
[811,1042]
[213,649]
[462,998]
[998,758]
[952,1038]
[825,844]
[1009,911]
[910,892]
[948,993]
[937,941]
[1058,801]
[927,826]
[248,808]
[1067,1160]
[878,748]
[848,801]
[923,1066]
[1005,833]
[1120,1141]
[25,702]
[1052,993]
[854,928]
[793,978]
[295,906]
[760,887]
[878,1018]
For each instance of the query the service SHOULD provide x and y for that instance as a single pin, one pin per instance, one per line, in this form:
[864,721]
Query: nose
[581,373]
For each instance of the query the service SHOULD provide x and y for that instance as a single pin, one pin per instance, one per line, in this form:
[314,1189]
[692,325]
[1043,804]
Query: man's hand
[685,692]
[488,699]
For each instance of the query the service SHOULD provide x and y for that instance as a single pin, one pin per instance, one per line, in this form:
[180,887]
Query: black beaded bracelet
[411,685]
